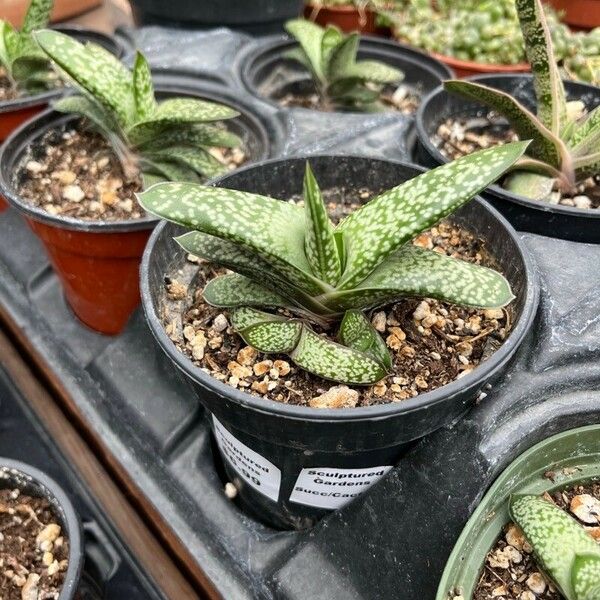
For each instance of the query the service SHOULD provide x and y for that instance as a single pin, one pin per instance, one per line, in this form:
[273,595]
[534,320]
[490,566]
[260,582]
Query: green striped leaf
[37,15]
[197,159]
[266,332]
[332,37]
[415,272]
[343,58]
[559,542]
[244,317]
[271,228]
[169,171]
[544,146]
[357,332]
[195,135]
[375,71]
[230,291]
[9,40]
[143,89]
[549,89]
[319,244]
[309,36]
[383,225]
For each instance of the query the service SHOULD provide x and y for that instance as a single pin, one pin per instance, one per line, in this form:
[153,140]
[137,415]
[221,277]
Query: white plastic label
[333,488]
[253,468]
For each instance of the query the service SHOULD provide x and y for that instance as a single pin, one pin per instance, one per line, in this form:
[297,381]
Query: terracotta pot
[348,18]
[584,14]
[466,68]
[13,11]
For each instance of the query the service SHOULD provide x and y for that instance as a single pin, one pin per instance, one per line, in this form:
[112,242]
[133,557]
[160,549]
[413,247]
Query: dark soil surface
[511,572]
[33,553]
[459,137]
[432,342]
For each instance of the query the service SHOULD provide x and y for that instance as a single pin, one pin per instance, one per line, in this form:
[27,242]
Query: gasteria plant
[293,258]
[26,66]
[169,140]
[562,547]
[341,81]
[565,147]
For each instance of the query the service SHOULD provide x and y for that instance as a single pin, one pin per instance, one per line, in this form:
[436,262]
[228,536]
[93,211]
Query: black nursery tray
[110,571]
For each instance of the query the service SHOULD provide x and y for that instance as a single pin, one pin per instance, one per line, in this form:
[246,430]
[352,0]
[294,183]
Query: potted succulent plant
[535,533]
[310,397]
[348,16]
[552,190]
[73,171]
[324,69]
[41,549]
[580,13]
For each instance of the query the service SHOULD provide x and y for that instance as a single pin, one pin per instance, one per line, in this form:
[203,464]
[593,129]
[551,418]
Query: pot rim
[380,411]
[39,124]
[71,519]
[433,151]
[472,65]
[339,8]
[511,475]
[421,60]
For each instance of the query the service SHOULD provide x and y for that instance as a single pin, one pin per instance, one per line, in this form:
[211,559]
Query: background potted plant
[580,13]
[565,469]
[348,16]
[38,518]
[332,425]
[554,185]
[92,228]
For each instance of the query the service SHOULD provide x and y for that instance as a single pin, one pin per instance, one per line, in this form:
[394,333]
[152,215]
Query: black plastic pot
[277,441]
[565,222]
[98,261]
[32,481]
[253,16]
[269,75]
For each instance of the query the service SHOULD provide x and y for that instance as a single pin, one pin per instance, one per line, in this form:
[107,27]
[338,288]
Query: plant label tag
[253,468]
[333,488]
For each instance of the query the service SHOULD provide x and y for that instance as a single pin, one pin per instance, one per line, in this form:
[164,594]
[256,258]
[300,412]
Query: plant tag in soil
[325,487]
[253,468]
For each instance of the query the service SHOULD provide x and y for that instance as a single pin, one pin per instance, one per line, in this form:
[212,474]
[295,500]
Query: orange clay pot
[467,68]
[583,14]
[347,18]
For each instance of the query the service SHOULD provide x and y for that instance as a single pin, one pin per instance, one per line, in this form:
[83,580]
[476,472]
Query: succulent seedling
[168,140]
[26,66]
[293,258]
[563,548]
[342,81]
[565,147]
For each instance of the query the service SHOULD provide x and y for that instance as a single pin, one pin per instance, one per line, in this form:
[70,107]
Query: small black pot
[31,481]
[266,59]
[273,442]
[254,16]
[565,222]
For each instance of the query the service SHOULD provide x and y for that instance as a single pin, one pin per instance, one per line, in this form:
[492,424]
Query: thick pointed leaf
[320,245]
[412,271]
[143,89]
[197,159]
[357,332]
[81,105]
[298,55]
[266,332]
[586,137]
[332,37]
[245,316]
[309,36]
[377,72]
[544,144]
[383,225]
[170,171]
[195,135]
[530,185]
[556,537]
[343,58]
[9,41]
[585,577]
[235,290]
[586,166]
[91,70]
[271,228]
[549,89]
[150,178]
[33,73]
[351,91]
[37,16]
[333,361]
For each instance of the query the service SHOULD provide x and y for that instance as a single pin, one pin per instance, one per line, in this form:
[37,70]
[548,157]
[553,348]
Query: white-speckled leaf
[332,37]
[320,245]
[9,40]
[376,71]
[37,16]
[530,185]
[197,159]
[586,577]
[357,332]
[194,135]
[333,361]
[266,332]
[169,171]
[143,89]
[556,537]
[544,144]
[309,36]
[386,223]
[549,89]
[587,166]
[272,228]
[586,135]
[245,316]
[413,271]
[342,59]
[234,290]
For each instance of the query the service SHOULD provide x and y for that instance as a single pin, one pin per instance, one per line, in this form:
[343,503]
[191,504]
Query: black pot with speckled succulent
[290,285]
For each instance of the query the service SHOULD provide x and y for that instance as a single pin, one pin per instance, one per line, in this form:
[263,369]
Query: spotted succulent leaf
[197,159]
[80,105]
[332,37]
[357,332]
[309,36]
[195,135]
[549,89]
[383,225]
[585,577]
[143,89]
[586,135]
[37,15]
[9,40]
[167,170]
[245,316]
[233,290]
[587,165]
[271,228]
[557,540]
[375,71]
[267,333]
[544,144]
[319,244]
[529,184]
[342,59]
